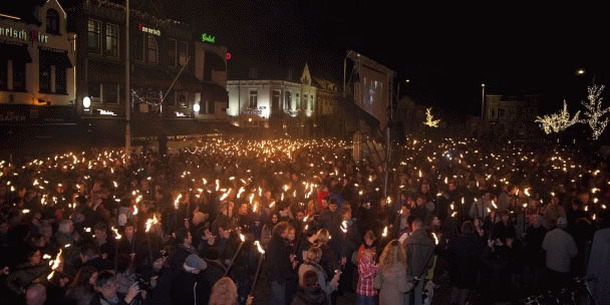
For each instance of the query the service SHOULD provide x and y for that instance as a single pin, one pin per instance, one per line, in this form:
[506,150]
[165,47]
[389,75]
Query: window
[182,98]
[252,101]
[94,30]
[209,107]
[52,22]
[60,80]
[298,102]
[500,113]
[110,92]
[3,74]
[152,49]
[183,52]
[44,79]
[305,101]
[171,98]
[287,100]
[94,92]
[171,52]
[112,40]
[18,76]
[138,46]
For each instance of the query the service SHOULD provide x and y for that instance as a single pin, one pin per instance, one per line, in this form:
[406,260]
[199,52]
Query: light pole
[127,85]
[482,107]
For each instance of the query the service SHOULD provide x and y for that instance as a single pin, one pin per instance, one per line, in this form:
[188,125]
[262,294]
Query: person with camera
[107,291]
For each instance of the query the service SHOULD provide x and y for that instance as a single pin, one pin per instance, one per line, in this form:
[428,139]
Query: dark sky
[446,51]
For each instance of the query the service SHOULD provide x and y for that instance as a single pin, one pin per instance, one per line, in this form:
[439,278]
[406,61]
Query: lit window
[112,40]
[152,50]
[182,52]
[253,98]
[94,30]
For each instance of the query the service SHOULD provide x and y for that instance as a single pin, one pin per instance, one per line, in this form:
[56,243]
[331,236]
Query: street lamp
[86,102]
[482,107]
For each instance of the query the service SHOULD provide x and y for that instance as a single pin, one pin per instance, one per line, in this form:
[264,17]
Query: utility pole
[127,85]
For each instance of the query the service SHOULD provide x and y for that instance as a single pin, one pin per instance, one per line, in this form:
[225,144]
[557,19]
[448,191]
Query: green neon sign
[205,37]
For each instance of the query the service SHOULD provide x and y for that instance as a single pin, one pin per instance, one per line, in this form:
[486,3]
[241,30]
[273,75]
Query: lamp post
[482,107]
[127,85]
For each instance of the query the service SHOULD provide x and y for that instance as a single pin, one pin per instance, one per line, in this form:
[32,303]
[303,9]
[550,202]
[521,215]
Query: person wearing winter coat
[392,273]
[310,292]
[314,254]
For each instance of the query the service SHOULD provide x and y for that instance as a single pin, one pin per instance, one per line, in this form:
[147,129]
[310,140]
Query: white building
[253,102]
[37,65]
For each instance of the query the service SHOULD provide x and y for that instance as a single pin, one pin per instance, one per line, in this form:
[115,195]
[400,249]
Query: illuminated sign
[148,30]
[106,112]
[205,37]
[21,34]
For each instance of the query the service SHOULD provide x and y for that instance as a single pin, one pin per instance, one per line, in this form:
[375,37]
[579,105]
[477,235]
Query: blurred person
[560,250]
[367,269]
[81,291]
[309,292]
[36,294]
[312,260]
[392,273]
[224,292]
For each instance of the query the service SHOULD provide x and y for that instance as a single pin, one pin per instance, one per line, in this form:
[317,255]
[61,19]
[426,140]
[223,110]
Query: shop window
[18,76]
[60,80]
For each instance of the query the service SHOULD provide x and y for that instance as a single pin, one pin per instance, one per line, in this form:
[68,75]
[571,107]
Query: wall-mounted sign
[228,56]
[148,30]
[205,37]
[22,34]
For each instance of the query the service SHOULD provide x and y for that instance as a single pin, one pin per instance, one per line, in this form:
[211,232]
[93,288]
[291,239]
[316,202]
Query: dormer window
[52,22]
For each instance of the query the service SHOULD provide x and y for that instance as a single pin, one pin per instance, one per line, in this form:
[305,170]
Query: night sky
[446,51]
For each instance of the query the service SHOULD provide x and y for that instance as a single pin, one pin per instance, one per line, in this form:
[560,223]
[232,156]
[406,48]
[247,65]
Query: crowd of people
[209,223]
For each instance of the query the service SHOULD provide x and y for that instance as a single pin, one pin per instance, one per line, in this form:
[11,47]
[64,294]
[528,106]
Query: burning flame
[135,210]
[344,226]
[116,232]
[150,222]
[177,201]
[385,232]
[242,237]
[435,238]
[259,247]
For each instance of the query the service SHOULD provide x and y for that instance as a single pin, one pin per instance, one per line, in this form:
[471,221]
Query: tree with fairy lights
[430,121]
[558,122]
[594,112]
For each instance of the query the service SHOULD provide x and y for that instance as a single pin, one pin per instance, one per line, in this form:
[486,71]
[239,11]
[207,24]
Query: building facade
[510,116]
[168,74]
[37,73]
[272,102]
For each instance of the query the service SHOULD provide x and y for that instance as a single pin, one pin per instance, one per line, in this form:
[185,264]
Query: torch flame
[150,222]
[385,232]
[344,226]
[258,246]
[116,232]
[435,238]
[135,210]
[242,237]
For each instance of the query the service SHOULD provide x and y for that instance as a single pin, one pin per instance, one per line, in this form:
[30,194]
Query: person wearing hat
[190,286]
[560,250]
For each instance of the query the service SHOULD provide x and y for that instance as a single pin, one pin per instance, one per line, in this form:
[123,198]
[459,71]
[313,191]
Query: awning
[213,92]
[58,59]
[15,52]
